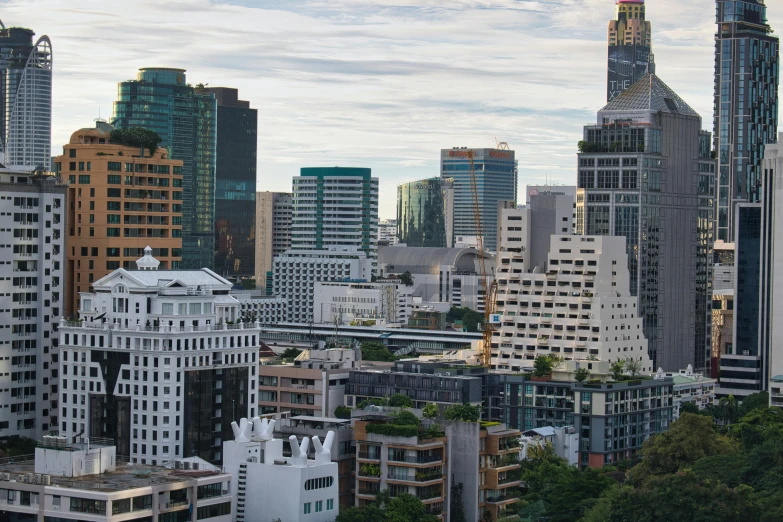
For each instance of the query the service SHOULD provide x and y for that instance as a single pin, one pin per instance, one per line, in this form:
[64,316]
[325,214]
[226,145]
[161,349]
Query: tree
[470,318]
[689,407]
[688,439]
[633,366]
[617,369]
[405,418]
[728,409]
[581,374]
[342,412]
[400,401]
[754,401]
[406,278]
[136,137]
[462,412]
[759,425]
[455,503]
[290,353]
[430,411]
[248,284]
[401,508]
[376,352]
[542,366]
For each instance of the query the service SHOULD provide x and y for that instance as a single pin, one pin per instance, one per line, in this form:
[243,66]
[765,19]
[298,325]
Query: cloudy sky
[375,83]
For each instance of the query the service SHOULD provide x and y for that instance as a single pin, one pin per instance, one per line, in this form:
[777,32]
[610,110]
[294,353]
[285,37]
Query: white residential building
[297,271]
[269,486]
[690,387]
[342,303]
[577,306]
[387,232]
[32,296]
[88,481]
[265,309]
[155,364]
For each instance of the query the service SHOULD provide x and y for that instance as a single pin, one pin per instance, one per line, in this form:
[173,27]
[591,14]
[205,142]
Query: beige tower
[630,47]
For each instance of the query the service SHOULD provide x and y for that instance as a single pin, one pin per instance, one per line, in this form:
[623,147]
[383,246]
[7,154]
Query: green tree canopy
[463,412]
[342,412]
[376,352]
[136,137]
[400,401]
[401,508]
[430,411]
[290,353]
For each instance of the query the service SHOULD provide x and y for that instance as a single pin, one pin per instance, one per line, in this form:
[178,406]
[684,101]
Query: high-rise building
[645,173]
[425,213]
[496,180]
[25,99]
[120,200]
[160,361]
[335,206]
[273,233]
[630,47]
[746,104]
[185,117]
[32,279]
[235,184]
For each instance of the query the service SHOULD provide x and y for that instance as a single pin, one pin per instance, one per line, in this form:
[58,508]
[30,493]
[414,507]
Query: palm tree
[728,409]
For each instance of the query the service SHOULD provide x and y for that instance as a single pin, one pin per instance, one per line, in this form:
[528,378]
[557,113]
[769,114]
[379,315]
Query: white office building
[159,361]
[578,305]
[264,309]
[387,232]
[87,480]
[270,486]
[297,271]
[342,303]
[32,295]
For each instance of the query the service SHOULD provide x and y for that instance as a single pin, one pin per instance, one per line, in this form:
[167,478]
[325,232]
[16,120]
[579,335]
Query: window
[84,179]
[120,506]
[210,490]
[319,506]
[214,510]
[114,193]
[330,504]
[115,166]
[307,508]
[88,505]
[114,179]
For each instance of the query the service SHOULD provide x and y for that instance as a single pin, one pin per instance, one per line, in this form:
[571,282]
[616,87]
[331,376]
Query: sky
[383,84]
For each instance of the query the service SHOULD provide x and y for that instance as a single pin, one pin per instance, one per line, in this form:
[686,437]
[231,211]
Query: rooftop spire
[147,262]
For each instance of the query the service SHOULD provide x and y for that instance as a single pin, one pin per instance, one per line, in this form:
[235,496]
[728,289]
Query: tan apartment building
[274,212]
[499,471]
[120,200]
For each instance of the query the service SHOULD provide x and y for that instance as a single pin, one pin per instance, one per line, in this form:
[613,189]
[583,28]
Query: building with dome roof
[120,200]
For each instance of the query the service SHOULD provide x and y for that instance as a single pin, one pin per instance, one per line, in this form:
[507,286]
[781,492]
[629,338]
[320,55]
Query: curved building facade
[425,212]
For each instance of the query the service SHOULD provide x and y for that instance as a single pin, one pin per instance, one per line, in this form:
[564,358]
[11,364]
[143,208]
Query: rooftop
[650,94]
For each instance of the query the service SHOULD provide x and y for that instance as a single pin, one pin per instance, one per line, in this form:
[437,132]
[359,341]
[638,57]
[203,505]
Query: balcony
[504,498]
[363,455]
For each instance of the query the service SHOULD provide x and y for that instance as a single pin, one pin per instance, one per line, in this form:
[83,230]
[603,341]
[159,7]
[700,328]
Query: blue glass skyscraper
[185,117]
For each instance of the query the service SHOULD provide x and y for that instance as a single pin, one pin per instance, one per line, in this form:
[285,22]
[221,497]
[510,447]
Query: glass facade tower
[25,99]
[186,119]
[630,47]
[235,190]
[746,104]
[496,181]
[425,212]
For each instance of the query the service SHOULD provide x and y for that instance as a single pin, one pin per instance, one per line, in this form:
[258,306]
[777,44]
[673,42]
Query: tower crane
[490,289]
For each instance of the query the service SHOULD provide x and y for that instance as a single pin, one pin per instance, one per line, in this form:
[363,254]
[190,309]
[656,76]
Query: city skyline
[322,103]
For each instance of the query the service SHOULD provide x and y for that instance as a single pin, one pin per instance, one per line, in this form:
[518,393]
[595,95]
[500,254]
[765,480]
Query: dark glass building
[746,104]
[645,172]
[630,47]
[185,117]
[425,211]
[235,185]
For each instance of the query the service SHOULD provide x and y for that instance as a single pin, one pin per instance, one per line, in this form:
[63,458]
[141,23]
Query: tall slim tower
[25,99]
[746,104]
[630,47]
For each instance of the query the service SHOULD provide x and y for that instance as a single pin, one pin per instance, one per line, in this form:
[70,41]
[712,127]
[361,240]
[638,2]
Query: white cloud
[378,83]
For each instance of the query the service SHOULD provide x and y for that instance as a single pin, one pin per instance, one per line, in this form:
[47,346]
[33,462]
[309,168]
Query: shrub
[342,412]
[463,412]
[405,418]
[430,411]
[400,401]
[393,430]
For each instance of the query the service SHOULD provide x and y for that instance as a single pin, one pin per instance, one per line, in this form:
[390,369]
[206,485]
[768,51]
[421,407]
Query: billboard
[626,65]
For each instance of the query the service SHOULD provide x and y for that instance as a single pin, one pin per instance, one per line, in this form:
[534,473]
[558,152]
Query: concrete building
[690,387]
[89,481]
[745,119]
[387,302]
[270,486]
[440,275]
[32,299]
[496,180]
[723,266]
[543,194]
[264,309]
[185,117]
[564,440]
[153,363]
[235,184]
[273,234]
[645,173]
[25,99]
[630,47]
[297,271]
[576,305]
[387,232]
[313,386]
[425,213]
[335,207]
[722,328]
[120,200]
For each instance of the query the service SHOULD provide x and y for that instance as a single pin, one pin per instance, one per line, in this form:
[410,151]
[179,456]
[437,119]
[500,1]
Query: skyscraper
[335,206]
[25,98]
[273,233]
[746,104]
[425,212]
[496,181]
[645,173]
[630,47]
[235,187]
[185,117]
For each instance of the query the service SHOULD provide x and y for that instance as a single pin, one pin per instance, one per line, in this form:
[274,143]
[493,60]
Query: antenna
[501,145]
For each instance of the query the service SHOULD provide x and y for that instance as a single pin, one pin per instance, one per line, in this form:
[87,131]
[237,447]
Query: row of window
[319,506]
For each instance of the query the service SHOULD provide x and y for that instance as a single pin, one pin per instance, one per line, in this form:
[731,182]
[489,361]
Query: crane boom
[490,289]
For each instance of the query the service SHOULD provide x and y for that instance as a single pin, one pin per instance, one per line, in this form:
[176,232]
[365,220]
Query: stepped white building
[577,306]
[159,362]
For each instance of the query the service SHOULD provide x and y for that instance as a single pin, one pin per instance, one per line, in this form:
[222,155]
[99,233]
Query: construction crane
[490,289]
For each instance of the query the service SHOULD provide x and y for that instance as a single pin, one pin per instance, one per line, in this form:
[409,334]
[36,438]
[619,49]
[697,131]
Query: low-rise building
[564,441]
[340,303]
[690,387]
[264,309]
[87,480]
[312,386]
[270,486]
